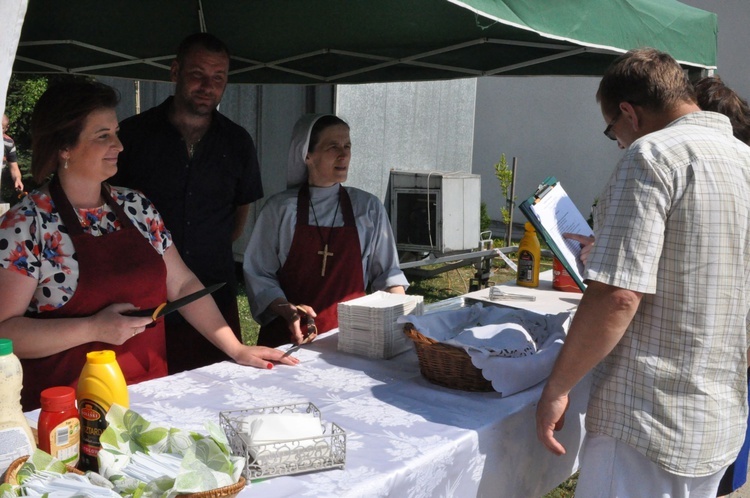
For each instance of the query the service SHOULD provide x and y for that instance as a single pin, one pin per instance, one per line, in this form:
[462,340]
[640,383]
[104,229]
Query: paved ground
[743,492]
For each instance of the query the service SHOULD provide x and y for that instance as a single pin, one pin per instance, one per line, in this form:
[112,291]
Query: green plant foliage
[504,175]
[23,94]
[484,218]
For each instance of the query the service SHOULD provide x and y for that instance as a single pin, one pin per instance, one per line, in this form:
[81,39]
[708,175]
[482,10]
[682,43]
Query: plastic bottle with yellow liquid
[529,256]
[100,385]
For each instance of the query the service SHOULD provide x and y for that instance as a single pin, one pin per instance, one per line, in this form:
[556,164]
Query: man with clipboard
[663,319]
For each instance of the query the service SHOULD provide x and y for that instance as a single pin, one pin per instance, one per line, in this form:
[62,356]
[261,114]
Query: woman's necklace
[325,252]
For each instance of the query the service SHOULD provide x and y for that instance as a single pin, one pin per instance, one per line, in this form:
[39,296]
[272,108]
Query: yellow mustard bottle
[529,255]
[100,385]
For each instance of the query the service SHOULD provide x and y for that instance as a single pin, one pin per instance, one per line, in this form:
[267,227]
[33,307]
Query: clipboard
[553,213]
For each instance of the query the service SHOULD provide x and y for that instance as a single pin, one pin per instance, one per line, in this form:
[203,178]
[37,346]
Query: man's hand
[587,243]
[550,417]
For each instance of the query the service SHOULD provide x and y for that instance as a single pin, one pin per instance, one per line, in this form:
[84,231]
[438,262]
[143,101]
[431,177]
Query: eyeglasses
[608,130]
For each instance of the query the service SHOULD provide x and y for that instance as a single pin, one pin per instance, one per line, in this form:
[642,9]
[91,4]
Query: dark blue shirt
[198,196]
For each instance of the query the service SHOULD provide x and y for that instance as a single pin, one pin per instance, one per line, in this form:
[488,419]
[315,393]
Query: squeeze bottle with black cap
[100,385]
[16,438]
[529,255]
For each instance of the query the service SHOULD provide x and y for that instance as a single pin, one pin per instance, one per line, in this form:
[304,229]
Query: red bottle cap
[57,399]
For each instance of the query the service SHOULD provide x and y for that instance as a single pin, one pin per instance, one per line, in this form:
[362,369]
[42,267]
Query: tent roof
[361,41]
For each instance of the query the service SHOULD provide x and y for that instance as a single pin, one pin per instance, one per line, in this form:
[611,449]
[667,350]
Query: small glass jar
[59,426]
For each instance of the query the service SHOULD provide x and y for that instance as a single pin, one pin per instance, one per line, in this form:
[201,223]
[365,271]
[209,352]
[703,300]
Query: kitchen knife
[169,307]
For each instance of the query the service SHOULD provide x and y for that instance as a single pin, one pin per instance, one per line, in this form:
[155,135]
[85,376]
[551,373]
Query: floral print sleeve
[32,244]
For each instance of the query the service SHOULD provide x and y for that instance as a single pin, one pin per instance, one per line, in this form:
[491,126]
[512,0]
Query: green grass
[249,326]
[443,286]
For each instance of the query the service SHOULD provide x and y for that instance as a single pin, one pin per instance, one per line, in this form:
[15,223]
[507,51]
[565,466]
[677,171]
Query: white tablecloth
[405,436]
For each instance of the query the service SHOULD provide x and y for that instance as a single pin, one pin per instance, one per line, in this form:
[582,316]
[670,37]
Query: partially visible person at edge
[10,157]
[663,319]
[201,170]
[317,243]
[714,95]
[77,254]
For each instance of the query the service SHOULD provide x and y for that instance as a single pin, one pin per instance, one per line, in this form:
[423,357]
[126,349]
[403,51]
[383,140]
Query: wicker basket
[224,492]
[10,474]
[446,365]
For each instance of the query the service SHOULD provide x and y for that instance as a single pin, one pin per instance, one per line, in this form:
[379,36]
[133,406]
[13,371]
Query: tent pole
[511,202]
[137,95]
[201,18]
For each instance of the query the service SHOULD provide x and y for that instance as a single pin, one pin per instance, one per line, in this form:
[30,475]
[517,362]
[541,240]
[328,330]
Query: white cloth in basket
[510,340]
[515,349]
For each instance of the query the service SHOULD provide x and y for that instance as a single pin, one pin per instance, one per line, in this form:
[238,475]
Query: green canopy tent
[362,41]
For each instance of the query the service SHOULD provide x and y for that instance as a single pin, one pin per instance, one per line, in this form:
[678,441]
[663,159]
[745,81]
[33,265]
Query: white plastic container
[16,438]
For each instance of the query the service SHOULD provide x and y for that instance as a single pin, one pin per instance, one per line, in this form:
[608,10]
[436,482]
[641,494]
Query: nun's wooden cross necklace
[325,253]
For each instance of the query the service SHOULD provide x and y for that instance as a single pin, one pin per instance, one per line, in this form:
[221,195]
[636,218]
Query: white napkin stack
[275,439]
[273,427]
[368,326]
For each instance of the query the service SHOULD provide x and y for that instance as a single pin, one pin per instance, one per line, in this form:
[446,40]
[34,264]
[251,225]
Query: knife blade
[169,307]
[296,347]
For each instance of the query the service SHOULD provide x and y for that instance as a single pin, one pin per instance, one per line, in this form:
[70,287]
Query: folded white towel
[510,339]
[515,349]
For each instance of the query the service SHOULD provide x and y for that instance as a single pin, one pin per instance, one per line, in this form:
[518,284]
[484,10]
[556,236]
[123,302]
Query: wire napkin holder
[285,457]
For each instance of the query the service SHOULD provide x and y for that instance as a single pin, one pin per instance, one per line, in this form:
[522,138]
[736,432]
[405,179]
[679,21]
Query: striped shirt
[673,223]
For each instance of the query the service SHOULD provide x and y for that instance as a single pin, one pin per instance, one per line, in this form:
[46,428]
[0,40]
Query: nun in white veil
[317,243]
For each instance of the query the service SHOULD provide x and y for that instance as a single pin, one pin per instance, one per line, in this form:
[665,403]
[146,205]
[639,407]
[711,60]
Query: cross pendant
[325,255]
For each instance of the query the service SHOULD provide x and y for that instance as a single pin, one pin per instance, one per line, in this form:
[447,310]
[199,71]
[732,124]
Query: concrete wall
[426,126]
[554,125]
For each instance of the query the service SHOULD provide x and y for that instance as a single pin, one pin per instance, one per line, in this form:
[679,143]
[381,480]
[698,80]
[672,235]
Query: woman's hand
[115,328]
[261,356]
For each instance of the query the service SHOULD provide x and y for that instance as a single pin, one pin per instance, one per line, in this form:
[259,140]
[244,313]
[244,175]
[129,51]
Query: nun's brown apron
[301,278]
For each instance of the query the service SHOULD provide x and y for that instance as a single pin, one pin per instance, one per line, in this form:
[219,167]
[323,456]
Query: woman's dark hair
[714,95]
[58,119]
[321,124]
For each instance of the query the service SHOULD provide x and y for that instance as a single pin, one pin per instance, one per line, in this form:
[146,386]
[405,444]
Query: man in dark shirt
[201,172]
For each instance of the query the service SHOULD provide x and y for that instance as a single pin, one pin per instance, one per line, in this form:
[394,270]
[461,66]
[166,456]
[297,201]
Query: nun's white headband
[296,172]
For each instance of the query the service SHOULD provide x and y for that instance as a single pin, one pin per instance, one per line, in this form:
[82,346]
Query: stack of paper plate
[367,325]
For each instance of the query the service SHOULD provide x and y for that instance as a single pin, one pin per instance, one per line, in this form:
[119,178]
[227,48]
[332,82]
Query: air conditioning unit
[435,211]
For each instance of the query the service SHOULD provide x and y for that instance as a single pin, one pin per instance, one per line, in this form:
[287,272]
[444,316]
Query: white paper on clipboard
[558,215]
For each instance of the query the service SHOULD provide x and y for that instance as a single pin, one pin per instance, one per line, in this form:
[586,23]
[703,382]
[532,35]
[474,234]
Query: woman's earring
[65,166]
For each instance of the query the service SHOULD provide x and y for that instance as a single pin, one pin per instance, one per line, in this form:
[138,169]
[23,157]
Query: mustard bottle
[100,385]
[529,255]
